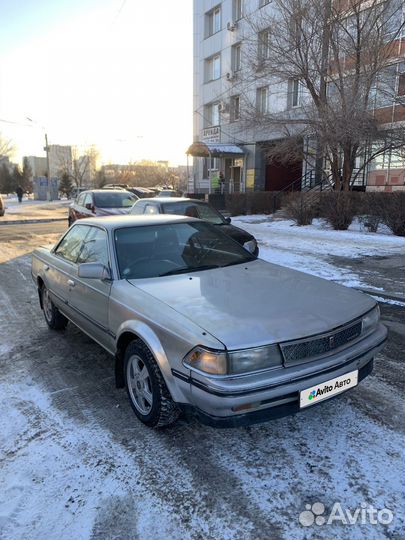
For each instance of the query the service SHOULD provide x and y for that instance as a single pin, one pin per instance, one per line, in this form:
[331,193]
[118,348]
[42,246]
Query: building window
[264,45]
[262,100]
[386,85]
[212,115]
[236,57]
[213,68]
[213,21]
[294,93]
[237,10]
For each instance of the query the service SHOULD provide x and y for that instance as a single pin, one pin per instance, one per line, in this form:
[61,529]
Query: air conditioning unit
[230,76]
[223,107]
[232,25]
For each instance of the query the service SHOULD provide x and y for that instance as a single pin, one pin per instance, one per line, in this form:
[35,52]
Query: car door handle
[46,268]
[71,283]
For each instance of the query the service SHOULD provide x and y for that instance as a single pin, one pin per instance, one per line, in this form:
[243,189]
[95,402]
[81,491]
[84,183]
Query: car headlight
[250,245]
[370,320]
[233,362]
[214,362]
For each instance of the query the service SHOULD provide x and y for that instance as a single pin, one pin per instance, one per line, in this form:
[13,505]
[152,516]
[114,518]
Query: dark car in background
[101,202]
[197,209]
[169,193]
[140,192]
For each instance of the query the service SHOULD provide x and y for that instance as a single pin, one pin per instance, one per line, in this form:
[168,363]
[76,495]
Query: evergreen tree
[6,184]
[26,176]
[17,179]
[66,184]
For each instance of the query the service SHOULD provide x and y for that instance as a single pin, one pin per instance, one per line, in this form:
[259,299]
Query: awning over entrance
[201,149]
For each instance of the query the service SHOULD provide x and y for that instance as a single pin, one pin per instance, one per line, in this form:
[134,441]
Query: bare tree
[339,60]
[7,147]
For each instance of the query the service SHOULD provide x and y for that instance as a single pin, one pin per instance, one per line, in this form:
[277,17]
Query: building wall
[221,90]
[37,164]
[60,160]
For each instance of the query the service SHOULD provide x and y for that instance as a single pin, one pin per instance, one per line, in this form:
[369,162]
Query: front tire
[147,391]
[53,317]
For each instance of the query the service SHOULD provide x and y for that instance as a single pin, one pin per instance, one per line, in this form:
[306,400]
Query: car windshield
[160,250]
[114,199]
[193,209]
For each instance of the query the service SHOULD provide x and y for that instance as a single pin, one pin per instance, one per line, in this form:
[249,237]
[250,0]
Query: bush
[393,212]
[339,208]
[300,207]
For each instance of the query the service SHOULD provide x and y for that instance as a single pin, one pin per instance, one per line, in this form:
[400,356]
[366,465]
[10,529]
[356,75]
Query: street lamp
[48,169]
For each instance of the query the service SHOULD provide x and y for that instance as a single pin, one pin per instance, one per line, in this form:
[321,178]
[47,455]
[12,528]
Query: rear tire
[53,317]
[147,391]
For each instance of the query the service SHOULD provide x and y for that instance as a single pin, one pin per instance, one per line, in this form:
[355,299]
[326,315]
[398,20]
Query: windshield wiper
[186,269]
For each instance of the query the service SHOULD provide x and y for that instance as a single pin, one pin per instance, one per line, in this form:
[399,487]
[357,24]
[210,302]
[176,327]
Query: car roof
[107,190]
[171,200]
[131,220]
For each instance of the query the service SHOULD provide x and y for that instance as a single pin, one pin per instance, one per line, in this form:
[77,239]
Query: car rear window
[114,199]
[197,210]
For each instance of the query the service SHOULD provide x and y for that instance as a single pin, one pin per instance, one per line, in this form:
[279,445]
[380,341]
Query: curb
[382,294]
[28,221]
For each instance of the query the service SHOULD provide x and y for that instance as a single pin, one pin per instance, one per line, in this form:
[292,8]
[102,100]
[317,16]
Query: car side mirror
[93,271]
[89,206]
[228,220]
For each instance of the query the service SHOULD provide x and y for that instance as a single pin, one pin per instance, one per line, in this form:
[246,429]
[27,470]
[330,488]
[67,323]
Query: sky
[111,73]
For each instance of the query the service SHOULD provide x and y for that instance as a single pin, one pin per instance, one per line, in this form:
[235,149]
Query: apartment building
[37,165]
[231,94]
[60,160]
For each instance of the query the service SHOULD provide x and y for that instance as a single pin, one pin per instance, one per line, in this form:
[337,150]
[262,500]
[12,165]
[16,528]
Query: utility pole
[49,190]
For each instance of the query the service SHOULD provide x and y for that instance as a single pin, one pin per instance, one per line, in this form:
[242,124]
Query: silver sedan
[198,325]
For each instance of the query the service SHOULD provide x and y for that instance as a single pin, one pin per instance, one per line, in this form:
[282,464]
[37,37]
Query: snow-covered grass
[310,248]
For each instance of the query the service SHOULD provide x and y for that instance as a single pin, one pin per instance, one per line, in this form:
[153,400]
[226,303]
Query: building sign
[250,179]
[211,135]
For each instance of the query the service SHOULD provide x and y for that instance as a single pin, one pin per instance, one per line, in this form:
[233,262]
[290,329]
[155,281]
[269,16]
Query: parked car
[101,202]
[76,192]
[2,206]
[169,193]
[140,192]
[199,209]
[198,324]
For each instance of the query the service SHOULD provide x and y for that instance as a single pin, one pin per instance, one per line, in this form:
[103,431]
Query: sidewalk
[30,211]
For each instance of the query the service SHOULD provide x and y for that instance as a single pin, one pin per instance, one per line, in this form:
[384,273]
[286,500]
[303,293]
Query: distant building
[60,160]
[85,168]
[37,165]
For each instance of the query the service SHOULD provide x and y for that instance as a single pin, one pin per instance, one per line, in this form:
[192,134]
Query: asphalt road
[31,231]
[75,462]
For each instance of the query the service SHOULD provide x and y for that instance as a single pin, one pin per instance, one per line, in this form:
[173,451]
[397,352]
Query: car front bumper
[234,402]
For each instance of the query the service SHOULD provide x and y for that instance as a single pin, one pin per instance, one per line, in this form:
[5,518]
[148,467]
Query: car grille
[300,351]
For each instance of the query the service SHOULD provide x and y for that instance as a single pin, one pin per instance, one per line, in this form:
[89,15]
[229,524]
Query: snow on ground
[308,248]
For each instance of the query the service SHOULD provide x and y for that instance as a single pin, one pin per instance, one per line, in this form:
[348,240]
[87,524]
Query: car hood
[234,232]
[258,303]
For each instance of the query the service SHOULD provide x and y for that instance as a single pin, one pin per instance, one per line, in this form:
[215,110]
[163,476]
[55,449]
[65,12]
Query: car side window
[94,248]
[88,199]
[151,209]
[71,244]
[80,199]
[138,208]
